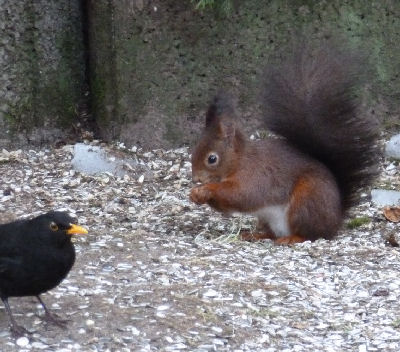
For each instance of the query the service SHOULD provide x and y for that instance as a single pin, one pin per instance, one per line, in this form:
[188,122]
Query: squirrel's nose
[195,178]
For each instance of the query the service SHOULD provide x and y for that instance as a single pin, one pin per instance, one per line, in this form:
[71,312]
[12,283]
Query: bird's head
[56,224]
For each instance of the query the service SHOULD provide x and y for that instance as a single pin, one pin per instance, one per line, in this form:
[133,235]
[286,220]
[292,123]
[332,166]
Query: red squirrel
[301,183]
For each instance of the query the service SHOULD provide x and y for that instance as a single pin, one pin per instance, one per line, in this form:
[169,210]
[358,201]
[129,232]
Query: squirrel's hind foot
[292,239]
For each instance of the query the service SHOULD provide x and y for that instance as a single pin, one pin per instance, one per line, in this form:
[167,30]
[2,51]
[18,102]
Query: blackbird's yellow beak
[76,230]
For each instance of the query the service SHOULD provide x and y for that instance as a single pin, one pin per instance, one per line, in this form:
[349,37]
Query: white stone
[23,341]
[383,197]
[392,148]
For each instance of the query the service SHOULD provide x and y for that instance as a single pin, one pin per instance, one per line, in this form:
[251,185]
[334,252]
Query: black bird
[35,256]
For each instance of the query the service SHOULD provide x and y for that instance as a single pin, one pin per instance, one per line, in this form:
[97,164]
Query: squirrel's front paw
[200,195]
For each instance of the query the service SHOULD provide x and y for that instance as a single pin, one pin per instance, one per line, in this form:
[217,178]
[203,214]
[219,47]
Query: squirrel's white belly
[276,217]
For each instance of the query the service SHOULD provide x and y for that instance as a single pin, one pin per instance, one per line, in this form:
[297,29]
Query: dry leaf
[392,213]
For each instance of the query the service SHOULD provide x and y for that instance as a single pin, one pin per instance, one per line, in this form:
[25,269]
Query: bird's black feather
[34,258]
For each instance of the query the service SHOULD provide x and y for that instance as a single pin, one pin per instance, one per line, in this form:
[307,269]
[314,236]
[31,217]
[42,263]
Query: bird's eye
[212,159]
[53,226]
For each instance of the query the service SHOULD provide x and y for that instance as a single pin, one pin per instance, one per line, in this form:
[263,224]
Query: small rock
[23,341]
[392,148]
[362,348]
[89,323]
[382,197]
[257,293]
[210,293]
[39,345]
[217,329]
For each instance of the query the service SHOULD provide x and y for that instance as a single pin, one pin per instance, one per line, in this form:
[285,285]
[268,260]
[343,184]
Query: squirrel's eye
[212,159]
[53,226]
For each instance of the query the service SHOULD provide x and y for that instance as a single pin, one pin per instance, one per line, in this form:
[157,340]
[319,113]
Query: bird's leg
[51,317]
[16,330]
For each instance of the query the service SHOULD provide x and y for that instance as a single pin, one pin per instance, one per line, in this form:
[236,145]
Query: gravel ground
[157,273]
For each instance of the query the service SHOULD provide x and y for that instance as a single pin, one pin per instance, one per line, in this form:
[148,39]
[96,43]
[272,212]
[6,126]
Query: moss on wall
[102,66]
[43,56]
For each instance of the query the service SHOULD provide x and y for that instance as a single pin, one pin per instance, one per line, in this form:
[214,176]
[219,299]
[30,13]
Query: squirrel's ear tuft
[211,115]
[226,129]
[222,104]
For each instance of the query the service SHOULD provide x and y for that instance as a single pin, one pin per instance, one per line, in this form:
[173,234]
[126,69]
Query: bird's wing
[9,265]
[12,244]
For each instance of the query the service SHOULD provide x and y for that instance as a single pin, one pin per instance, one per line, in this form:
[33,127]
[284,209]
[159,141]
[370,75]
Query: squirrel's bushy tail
[310,99]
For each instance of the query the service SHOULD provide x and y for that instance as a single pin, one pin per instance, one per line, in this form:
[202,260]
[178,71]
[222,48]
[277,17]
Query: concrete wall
[42,69]
[155,64]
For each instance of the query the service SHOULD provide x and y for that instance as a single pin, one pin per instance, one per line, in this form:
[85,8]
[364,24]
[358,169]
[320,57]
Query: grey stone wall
[155,64]
[42,69]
